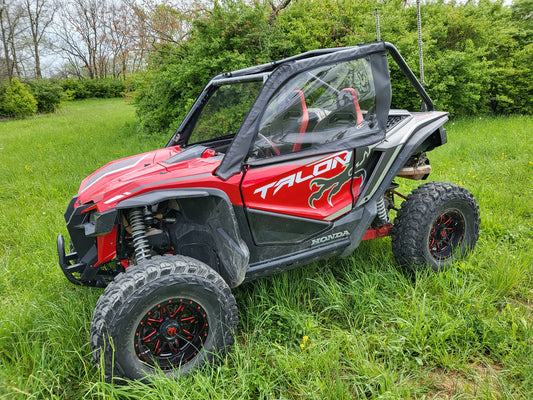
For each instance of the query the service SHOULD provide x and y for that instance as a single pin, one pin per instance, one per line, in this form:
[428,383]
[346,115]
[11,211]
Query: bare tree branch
[275,9]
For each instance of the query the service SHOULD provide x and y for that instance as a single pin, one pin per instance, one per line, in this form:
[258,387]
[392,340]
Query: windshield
[225,110]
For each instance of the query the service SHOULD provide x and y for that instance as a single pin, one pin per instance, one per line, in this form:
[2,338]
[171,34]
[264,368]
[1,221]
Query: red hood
[131,176]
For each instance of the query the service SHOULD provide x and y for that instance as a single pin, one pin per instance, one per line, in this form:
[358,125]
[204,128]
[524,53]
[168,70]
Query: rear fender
[392,160]
[395,155]
[211,209]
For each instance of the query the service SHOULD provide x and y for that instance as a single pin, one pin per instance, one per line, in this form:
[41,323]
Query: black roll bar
[395,54]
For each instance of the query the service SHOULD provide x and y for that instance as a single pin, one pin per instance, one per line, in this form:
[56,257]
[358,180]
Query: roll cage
[275,74]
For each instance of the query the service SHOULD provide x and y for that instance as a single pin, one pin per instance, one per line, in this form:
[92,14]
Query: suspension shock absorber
[138,231]
[383,215]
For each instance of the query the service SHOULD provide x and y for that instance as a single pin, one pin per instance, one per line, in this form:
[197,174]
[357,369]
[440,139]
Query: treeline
[86,38]
[18,99]
[95,45]
[478,55]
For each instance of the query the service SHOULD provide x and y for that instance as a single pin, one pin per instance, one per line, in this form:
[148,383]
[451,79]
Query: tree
[120,27]
[275,9]
[164,23]
[82,35]
[40,14]
[10,16]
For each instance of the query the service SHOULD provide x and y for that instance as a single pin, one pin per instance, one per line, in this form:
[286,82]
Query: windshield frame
[183,133]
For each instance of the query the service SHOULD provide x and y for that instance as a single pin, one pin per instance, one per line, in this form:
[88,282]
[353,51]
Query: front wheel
[437,225]
[169,313]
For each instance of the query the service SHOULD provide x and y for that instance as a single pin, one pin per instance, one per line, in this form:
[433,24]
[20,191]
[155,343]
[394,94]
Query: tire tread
[416,211]
[128,288]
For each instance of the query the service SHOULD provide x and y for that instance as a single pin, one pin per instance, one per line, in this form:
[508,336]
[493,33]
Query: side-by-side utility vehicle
[274,167]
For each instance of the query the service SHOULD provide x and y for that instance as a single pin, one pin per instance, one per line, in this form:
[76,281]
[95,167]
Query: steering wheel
[261,151]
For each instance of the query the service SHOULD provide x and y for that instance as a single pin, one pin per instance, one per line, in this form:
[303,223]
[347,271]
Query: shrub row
[19,99]
[478,55]
[88,88]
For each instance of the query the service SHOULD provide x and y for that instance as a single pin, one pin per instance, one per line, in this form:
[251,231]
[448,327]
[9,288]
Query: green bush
[48,93]
[17,101]
[511,86]
[104,87]
[114,87]
[87,88]
[458,83]
[74,88]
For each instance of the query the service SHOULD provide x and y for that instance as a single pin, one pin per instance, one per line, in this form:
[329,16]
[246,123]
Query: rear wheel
[436,225]
[169,313]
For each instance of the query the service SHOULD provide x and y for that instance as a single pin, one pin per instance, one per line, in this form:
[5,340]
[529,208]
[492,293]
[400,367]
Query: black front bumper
[78,264]
[68,262]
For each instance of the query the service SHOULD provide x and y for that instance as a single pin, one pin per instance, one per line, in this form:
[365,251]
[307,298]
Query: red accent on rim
[171,335]
[447,233]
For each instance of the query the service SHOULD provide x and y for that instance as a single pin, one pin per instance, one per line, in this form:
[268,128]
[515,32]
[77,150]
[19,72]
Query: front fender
[212,209]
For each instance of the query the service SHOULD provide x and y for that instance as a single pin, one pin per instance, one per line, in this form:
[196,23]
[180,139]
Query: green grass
[358,327]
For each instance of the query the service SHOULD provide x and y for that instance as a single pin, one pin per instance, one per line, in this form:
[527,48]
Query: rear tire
[437,225]
[170,313]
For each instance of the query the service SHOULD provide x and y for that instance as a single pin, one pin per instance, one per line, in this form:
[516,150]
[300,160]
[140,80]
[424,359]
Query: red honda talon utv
[274,167]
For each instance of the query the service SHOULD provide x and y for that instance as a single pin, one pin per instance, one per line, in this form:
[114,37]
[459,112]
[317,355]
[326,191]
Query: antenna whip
[376,13]
[420,43]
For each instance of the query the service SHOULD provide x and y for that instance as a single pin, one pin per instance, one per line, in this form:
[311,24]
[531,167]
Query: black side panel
[274,258]
[281,264]
[273,228]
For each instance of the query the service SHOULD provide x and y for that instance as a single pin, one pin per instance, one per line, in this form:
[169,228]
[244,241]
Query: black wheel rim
[171,333]
[446,234]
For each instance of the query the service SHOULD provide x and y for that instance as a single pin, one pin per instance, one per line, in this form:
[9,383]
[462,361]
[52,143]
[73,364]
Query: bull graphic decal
[333,185]
[330,186]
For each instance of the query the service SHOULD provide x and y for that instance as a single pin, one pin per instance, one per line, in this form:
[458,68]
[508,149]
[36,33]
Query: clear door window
[316,107]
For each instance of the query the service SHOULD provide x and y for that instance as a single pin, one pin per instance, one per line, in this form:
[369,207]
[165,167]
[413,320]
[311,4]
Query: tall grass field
[359,327]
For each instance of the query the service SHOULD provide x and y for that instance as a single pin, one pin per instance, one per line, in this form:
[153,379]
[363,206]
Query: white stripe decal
[336,214]
[113,172]
[111,200]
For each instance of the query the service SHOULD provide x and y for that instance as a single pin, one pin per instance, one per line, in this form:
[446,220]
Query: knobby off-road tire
[170,313]
[437,224]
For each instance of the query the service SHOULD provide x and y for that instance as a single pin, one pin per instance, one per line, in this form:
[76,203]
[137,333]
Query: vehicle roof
[268,67]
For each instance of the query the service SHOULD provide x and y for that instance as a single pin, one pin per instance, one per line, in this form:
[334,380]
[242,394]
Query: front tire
[437,225]
[169,313]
